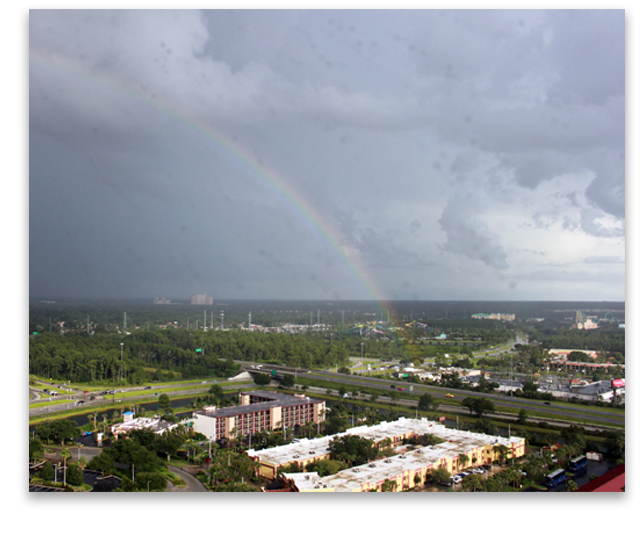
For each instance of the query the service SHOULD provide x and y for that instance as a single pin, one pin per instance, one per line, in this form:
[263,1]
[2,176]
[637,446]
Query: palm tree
[463,459]
[502,452]
[65,454]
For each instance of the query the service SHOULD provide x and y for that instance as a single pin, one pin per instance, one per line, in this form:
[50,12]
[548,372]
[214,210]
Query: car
[85,392]
[448,395]
[148,388]
[547,403]
[400,389]
[393,386]
[456,479]
[92,398]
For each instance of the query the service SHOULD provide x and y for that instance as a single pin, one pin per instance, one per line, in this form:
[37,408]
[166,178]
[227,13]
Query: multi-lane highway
[573,413]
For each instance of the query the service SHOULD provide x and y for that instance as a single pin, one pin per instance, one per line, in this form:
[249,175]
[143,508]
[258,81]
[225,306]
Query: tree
[103,462]
[236,487]
[150,482]
[427,403]
[229,467]
[75,475]
[352,449]
[168,443]
[48,472]
[36,449]
[473,482]
[469,403]
[571,486]
[261,379]
[288,381]
[65,455]
[389,485]
[522,416]
[463,459]
[484,406]
[58,430]
[165,405]
[440,475]
[326,467]
[502,452]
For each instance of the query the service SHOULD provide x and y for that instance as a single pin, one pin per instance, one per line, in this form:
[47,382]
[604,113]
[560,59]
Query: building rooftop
[275,399]
[455,441]
[407,459]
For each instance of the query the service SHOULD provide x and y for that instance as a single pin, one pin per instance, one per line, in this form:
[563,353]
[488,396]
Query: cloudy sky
[351,154]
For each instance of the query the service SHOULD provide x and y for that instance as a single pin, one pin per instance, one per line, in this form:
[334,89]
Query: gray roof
[276,399]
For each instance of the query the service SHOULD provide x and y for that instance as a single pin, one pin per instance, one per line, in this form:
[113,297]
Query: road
[575,414]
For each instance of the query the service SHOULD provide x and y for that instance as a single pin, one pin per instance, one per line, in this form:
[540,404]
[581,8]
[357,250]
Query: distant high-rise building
[161,301]
[201,300]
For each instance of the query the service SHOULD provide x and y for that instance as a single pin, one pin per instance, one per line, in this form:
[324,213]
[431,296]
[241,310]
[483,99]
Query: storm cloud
[302,153]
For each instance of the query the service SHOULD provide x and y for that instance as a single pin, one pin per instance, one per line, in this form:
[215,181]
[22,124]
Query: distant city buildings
[201,300]
[495,316]
[161,301]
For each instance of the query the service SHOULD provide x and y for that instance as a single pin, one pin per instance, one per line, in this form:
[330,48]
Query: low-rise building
[408,468]
[130,423]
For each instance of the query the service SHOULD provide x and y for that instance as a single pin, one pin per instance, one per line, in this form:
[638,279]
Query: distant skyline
[327,155]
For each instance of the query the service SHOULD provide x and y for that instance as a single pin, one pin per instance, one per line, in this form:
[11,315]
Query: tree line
[171,354]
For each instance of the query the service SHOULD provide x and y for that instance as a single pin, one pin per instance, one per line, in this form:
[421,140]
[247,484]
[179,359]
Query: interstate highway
[572,412]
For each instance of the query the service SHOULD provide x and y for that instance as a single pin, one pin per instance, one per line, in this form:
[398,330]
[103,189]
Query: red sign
[442,418]
[618,383]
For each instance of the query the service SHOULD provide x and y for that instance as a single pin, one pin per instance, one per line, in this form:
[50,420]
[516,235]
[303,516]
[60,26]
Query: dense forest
[608,340]
[169,354]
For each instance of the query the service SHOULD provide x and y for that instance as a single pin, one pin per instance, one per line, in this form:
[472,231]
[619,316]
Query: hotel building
[258,411]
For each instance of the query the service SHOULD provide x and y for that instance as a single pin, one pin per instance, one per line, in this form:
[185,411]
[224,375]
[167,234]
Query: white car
[456,479]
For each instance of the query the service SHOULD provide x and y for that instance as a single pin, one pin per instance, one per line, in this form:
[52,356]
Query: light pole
[362,345]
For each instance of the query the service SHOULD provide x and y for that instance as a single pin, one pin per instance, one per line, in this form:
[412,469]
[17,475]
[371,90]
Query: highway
[532,407]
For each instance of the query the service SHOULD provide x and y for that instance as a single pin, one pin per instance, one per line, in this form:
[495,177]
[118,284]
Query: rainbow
[293,199]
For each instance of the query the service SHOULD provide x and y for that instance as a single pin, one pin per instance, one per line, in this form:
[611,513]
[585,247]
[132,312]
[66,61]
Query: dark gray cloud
[297,154]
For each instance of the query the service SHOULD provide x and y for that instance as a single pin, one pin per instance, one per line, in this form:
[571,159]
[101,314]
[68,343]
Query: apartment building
[408,467]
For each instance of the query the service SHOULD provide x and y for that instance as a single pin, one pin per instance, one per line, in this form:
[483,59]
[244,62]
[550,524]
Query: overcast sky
[429,155]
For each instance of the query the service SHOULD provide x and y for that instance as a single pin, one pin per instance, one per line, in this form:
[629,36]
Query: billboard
[618,383]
